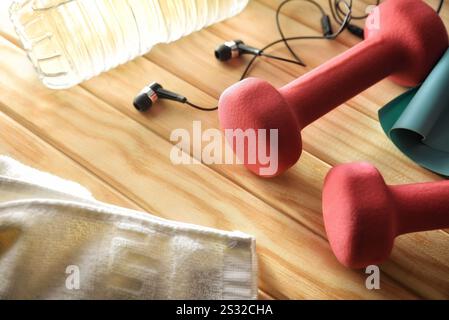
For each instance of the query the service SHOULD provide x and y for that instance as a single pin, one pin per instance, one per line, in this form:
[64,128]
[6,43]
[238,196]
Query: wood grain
[112,147]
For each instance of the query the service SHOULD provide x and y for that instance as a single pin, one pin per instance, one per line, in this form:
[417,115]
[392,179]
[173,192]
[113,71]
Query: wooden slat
[20,144]
[264,296]
[134,160]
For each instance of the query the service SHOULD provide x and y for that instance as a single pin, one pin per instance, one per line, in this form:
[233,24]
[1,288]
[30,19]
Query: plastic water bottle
[69,41]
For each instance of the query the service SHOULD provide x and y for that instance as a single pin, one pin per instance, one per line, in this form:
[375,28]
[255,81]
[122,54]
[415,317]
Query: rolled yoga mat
[417,122]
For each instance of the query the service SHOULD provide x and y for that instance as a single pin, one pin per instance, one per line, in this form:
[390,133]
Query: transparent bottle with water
[69,41]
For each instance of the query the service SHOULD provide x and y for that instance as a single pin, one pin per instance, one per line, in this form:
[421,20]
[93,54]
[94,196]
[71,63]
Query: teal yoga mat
[417,122]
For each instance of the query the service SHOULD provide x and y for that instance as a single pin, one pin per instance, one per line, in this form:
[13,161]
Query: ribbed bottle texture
[69,41]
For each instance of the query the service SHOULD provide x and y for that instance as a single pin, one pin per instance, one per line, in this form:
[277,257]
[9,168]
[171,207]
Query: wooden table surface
[92,134]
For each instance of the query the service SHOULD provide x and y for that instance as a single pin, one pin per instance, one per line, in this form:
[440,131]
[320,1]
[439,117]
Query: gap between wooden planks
[114,146]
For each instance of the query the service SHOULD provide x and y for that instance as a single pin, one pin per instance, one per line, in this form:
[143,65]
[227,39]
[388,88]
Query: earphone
[153,92]
[234,49]
[229,50]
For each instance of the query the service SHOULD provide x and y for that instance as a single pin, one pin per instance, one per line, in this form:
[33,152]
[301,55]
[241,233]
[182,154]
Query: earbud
[151,93]
[234,49]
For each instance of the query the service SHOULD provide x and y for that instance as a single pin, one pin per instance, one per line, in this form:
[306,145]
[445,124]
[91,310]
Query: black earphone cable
[281,59]
[187,102]
[281,32]
[338,14]
[440,6]
[346,20]
[285,40]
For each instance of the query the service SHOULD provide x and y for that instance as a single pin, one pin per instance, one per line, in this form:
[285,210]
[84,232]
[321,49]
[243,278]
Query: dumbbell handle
[421,206]
[328,86]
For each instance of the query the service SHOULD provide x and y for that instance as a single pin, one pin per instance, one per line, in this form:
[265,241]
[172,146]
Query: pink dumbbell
[404,40]
[363,215]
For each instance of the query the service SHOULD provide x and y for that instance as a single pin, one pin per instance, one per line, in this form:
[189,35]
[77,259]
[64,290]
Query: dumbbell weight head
[256,104]
[362,215]
[415,30]
[358,215]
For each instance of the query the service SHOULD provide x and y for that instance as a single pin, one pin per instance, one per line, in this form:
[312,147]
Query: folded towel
[58,242]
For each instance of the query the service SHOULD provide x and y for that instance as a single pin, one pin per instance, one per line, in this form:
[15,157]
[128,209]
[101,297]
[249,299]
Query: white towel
[58,242]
